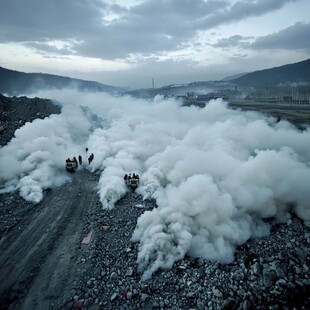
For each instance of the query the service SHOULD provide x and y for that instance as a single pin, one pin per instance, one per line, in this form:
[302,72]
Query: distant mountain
[15,83]
[284,75]
[233,77]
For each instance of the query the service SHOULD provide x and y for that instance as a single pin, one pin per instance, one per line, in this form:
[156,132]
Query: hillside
[15,83]
[284,75]
[288,80]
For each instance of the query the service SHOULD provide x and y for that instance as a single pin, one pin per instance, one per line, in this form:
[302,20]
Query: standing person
[80,160]
[76,162]
[90,158]
[86,150]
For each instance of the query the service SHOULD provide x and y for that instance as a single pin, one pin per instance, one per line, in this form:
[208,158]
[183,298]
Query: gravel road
[38,254]
[44,264]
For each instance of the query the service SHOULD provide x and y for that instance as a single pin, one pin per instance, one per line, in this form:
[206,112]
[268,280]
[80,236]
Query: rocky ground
[44,264]
[16,111]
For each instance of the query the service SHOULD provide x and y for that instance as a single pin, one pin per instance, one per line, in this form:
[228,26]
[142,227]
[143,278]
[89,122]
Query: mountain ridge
[298,72]
[14,82]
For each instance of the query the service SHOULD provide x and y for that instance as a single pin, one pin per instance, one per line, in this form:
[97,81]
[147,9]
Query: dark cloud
[152,27]
[233,41]
[96,28]
[241,10]
[295,37]
[39,20]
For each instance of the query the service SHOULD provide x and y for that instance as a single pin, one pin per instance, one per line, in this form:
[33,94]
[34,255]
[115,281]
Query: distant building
[204,97]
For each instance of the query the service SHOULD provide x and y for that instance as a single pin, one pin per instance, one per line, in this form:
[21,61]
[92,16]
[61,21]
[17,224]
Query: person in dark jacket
[75,160]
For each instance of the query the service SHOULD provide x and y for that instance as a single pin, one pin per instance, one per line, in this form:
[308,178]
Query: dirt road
[38,256]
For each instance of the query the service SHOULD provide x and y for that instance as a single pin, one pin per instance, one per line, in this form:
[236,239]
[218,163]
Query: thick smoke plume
[215,173]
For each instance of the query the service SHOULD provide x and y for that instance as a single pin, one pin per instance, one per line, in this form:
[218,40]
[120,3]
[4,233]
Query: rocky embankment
[268,273]
[272,272]
[16,111]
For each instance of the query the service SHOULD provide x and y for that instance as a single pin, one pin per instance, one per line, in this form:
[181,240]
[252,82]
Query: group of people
[75,160]
[80,159]
[132,180]
[129,176]
[90,157]
[72,160]
[71,164]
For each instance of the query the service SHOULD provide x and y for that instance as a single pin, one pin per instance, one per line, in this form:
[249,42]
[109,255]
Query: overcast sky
[129,42]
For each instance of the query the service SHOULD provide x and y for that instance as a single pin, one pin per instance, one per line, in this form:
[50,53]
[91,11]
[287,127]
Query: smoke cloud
[215,173]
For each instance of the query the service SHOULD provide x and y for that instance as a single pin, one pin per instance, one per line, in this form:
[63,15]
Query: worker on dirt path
[75,160]
[90,158]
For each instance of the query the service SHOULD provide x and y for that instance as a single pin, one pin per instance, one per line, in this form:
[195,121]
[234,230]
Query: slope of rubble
[16,111]
[268,273]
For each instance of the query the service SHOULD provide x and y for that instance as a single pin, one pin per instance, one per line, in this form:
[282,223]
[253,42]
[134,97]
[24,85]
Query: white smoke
[215,173]
[34,159]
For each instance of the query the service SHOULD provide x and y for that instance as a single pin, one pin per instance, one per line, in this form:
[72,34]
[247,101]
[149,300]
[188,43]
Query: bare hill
[298,73]
[16,83]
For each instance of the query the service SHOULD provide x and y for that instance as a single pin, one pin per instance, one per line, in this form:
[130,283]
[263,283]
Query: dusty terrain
[44,264]
[297,114]
[39,253]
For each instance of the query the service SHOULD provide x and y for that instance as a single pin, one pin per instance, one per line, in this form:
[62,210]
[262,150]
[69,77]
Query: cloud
[216,173]
[53,47]
[241,10]
[294,37]
[42,20]
[233,41]
[110,31]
